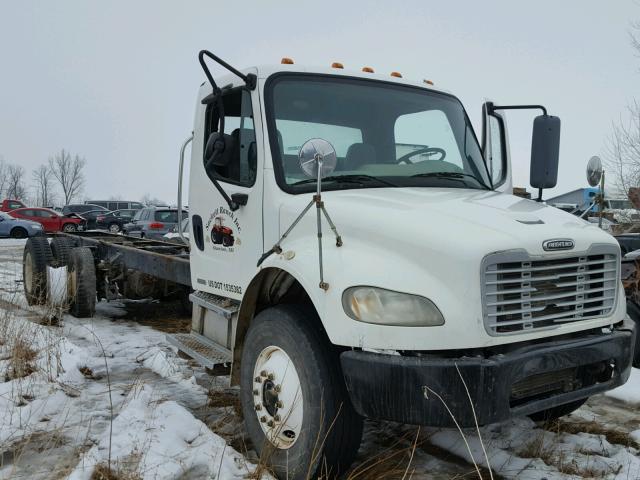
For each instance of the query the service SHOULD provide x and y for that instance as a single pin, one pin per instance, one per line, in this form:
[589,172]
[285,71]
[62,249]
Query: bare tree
[147,199]
[634,35]
[15,182]
[4,177]
[69,174]
[622,151]
[43,185]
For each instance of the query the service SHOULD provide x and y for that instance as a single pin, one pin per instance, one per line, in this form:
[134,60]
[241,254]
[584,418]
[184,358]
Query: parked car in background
[153,222]
[116,204]
[174,236]
[50,220]
[91,218]
[81,208]
[116,220]
[9,204]
[18,227]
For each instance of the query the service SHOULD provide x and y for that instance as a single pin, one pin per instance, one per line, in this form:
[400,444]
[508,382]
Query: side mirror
[216,151]
[545,151]
[594,171]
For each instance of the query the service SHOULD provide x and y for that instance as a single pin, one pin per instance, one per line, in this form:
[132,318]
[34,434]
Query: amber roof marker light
[428,82]
[367,70]
[396,74]
[286,61]
[337,65]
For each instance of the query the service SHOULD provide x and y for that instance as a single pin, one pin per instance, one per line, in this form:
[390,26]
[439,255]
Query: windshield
[384,135]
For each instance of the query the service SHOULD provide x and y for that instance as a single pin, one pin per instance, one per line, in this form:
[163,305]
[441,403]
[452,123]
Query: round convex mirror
[314,152]
[594,171]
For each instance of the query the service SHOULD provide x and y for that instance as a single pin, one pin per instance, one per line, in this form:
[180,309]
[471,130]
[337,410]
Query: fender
[269,270]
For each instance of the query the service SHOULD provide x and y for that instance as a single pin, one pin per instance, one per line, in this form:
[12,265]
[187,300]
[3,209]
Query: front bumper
[523,381]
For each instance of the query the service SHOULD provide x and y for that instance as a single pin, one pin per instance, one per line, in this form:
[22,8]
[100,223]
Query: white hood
[457,218]
[429,242]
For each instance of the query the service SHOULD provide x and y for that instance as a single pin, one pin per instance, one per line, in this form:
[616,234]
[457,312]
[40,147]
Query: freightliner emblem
[558,244]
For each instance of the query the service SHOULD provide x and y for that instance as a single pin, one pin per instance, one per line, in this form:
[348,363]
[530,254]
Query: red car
[51,221]
[8,204]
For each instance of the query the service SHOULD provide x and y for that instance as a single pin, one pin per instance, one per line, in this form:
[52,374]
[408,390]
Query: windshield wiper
[451,175]
[356,178]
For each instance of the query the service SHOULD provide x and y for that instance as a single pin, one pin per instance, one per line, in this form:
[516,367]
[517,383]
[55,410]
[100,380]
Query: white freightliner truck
[355,252]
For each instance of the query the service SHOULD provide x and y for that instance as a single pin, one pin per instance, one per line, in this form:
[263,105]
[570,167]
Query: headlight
[386,307]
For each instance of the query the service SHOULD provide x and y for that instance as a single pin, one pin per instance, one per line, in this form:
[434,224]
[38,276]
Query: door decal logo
[222,230]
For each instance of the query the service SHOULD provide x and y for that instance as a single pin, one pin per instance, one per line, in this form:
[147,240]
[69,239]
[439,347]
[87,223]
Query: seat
[359,154]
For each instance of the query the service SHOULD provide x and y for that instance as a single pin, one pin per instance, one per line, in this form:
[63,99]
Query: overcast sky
[115,82]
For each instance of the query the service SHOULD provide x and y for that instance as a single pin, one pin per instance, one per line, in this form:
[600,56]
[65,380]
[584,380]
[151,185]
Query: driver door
[226,244]
[495,148]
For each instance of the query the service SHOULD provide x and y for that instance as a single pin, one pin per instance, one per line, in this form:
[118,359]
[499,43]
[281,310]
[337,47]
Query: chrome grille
[523,293]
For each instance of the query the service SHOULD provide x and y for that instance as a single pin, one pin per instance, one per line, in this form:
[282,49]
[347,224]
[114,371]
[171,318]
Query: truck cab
[434,296]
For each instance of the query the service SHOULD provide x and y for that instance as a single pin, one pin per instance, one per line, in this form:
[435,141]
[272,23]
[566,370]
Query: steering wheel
[405,158]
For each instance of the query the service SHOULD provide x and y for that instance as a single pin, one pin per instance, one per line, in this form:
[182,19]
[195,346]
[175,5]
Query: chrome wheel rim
[277,397]
[114,228]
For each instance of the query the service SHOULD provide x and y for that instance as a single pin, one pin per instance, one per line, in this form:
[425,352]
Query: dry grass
[554,456]
[613,435]
[103,472]
[21,362]
[394,462]
[224,398]
[165,316]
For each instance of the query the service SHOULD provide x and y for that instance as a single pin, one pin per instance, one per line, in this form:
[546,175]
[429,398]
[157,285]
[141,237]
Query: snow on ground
[630,391]
[159,438]
[521,450]
[55,415]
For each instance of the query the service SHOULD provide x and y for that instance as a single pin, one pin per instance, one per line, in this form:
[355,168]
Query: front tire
[69,228]
[296,408]
[114,228]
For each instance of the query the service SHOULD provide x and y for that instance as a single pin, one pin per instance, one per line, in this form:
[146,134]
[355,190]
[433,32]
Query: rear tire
[285,341]
[61,249]
[69,227]
[19,232]
[556,412]
[35,259]
[82,283]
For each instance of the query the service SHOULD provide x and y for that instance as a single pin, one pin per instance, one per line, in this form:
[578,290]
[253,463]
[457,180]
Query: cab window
[238,163]
[418,131]
[293,133]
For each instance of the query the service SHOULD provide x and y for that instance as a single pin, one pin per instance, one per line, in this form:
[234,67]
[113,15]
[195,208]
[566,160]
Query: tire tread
[40,251]
[83,300]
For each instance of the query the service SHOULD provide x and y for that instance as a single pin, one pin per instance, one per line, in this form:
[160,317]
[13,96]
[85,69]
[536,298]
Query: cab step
[201,349]
[221,305]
